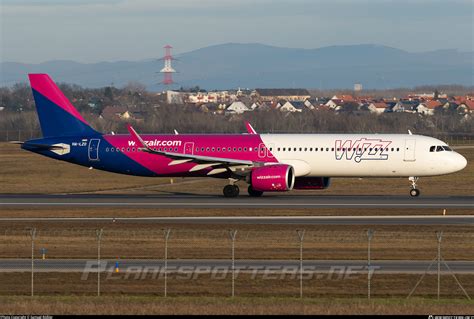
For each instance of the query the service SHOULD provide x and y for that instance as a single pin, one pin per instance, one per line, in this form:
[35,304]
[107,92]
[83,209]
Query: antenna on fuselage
[176,132]
[409,132]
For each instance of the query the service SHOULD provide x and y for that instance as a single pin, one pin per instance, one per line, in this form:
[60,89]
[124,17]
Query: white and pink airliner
[266,162]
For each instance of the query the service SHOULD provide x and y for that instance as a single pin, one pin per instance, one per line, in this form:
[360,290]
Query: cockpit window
[440,148]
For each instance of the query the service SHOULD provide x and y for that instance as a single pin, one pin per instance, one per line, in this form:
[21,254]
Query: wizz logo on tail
[361,149]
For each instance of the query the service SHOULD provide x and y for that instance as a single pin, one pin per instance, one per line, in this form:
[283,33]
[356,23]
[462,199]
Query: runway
[277,201]
[225,265]
[265,220]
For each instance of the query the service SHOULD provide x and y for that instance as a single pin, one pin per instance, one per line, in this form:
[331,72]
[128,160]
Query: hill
[252,65]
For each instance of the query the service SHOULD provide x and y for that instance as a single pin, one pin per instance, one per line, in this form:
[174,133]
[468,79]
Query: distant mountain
[235,65]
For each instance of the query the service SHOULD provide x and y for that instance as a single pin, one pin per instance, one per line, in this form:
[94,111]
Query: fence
[144,259]
[450,138]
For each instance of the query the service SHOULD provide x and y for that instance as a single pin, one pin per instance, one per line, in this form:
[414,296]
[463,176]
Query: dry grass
[246,285]
[25,172]
[253,242]
[118,305]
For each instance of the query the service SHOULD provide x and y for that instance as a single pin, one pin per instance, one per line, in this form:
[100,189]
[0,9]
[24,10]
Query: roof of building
[431,104]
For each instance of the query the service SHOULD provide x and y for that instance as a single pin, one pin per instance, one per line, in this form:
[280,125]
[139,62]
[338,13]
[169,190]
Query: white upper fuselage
[363,155]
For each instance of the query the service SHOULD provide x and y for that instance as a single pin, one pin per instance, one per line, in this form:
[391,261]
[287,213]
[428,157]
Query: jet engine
[273,178]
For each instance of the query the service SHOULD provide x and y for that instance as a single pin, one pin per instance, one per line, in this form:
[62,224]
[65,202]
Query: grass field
[252,242]
[229,306]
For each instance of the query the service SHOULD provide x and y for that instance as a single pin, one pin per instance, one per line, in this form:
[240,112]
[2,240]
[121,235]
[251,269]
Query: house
[289,107]
[121,113]
[466,107]
[428,107]
[404,106]
[266,106]
[344,98]
[237,107]
[377,107]
[334,103]
[281,94]
[311,103]
[113,112]
[254,106]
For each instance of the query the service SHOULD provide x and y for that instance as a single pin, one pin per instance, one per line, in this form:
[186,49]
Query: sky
[34,31]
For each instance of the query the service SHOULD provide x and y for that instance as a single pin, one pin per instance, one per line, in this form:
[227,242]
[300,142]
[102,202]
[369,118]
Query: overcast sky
[35,31]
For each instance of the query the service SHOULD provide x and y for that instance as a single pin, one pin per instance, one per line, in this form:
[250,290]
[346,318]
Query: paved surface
[206,201]
[216,265]
[268,220]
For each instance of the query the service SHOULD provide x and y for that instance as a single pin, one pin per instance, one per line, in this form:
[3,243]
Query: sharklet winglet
[250,129]
[137,137]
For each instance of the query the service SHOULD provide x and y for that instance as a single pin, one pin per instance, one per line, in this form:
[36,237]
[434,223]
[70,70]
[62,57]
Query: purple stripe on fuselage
[238,147]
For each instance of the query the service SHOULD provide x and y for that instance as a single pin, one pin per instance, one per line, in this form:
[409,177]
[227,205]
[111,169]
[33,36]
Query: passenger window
[310,149]
[284,149]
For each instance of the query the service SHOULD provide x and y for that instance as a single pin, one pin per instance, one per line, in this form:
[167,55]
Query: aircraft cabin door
[262,150]
[94,149]
[189,148]
[409,155]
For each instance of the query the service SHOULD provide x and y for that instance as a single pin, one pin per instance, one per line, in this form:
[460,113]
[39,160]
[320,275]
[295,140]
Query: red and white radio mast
[168,70]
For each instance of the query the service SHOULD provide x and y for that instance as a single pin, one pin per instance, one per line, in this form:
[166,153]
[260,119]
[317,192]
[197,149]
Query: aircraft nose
[460,162]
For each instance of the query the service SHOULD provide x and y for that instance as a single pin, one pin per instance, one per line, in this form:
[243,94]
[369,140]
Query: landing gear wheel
[253,192]
[414,192]
[231,191]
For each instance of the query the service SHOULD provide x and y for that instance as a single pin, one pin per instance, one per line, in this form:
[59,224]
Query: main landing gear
[414,192]
[231,190]
[254,193]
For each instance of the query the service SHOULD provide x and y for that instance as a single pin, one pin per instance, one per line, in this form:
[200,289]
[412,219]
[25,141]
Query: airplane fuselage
[311,155]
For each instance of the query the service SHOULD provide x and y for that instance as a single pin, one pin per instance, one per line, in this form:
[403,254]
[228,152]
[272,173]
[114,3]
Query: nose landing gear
[414,192]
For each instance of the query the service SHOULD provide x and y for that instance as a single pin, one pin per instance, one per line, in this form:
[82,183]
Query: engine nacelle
[312,182]
[273,178]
